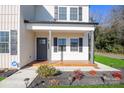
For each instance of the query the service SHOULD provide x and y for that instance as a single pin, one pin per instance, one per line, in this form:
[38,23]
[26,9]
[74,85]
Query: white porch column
[92,47]
[49,47]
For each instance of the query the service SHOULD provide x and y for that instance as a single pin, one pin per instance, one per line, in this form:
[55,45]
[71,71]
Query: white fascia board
[59,27]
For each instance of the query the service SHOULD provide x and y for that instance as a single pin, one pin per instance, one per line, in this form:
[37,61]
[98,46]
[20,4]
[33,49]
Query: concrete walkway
[101,67]
[17,80]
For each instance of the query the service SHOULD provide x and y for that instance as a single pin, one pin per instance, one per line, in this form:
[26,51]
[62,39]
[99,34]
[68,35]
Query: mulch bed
[7,73]
[122,71]
[63,80]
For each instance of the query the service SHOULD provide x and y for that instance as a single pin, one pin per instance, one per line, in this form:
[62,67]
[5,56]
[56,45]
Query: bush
[108,48]
[118,49]
[46,71]
[92,72]
[112,48]
[117,75]
[78,74]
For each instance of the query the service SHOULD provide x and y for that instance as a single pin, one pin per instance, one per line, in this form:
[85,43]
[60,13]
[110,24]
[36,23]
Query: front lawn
[116,63]
[91,86]
[2,78]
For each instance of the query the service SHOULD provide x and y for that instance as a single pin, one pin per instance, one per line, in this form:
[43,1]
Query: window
[74,44]
[13,42]
[62,13]
[76,13]
[73,14]
[61,44]
[4,42]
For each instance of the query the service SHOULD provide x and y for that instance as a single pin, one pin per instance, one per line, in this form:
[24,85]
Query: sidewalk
[17,80]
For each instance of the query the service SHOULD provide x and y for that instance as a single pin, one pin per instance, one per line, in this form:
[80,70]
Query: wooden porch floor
[62,63]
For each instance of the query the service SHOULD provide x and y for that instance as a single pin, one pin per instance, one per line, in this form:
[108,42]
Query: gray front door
[41,48]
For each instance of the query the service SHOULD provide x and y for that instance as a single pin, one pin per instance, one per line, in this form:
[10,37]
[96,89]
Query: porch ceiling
[60,26]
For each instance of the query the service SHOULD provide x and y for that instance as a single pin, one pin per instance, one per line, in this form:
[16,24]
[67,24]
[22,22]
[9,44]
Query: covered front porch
[48,34]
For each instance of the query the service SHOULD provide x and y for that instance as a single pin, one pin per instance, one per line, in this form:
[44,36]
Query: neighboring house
[37,32]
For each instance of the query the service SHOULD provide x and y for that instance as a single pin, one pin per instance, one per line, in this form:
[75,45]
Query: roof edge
[60,22]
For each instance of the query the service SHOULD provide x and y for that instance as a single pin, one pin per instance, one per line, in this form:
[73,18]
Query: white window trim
[8,42]
[66,13]
[78,43]
[61,38]
[77,13]
[58,45]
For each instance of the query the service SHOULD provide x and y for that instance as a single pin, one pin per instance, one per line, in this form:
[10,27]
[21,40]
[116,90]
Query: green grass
[2,78]
[116,63]
[91,86]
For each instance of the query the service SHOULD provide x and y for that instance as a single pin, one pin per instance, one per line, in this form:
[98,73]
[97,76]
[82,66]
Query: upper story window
[68,13]
[4,42]
[62,13]
[73,14]
[76,13]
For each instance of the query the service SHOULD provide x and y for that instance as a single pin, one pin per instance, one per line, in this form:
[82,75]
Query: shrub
[92,72]
[117,75]
[78,74]
[108,48]
[118,49]
[46,71]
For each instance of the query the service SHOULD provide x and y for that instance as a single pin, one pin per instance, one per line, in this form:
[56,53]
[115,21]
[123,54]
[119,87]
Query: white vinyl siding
[9,20]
